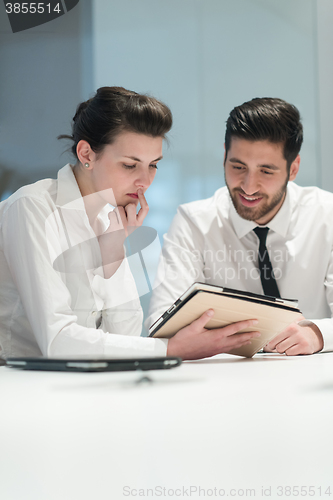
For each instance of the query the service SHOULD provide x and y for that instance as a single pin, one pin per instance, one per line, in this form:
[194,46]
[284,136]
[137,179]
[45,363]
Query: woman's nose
[144,179]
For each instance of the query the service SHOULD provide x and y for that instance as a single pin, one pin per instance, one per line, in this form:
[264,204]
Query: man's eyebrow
[138,159]
[236,160]
[268,166]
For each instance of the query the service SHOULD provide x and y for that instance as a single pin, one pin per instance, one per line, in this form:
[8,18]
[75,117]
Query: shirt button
[93,313]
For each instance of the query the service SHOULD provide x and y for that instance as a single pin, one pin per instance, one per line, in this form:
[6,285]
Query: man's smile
[249,201]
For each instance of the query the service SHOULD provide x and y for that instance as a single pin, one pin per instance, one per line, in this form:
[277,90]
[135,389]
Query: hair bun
[80,109]
[114,110]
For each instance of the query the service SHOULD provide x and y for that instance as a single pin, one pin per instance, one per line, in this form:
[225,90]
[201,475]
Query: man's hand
[302,337]
[195,341]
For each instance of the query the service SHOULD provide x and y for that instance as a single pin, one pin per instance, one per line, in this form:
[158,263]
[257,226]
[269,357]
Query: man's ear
[294,167]
[84,153]
[224,158]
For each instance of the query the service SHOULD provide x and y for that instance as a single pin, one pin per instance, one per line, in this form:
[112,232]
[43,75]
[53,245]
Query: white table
[227,425]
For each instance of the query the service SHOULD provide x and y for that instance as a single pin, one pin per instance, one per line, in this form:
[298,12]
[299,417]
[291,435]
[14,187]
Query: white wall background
[324,37]
[45,72]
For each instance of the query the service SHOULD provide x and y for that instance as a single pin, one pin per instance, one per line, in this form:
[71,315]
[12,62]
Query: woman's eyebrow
[138,159]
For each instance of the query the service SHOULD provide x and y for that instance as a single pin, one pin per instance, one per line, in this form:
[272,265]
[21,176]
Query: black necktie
[265,267]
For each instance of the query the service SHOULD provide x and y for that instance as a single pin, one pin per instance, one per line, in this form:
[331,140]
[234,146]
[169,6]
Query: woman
[66,288]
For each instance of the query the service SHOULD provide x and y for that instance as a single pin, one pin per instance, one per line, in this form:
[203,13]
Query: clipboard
[230,306]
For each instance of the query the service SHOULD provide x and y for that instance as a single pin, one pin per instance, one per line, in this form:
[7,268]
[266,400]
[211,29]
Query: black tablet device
[93,365]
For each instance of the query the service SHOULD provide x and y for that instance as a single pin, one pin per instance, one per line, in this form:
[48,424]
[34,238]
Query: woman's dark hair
[267,119]
[114,110]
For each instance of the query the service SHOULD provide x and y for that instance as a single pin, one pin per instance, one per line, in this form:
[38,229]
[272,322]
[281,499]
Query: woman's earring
[86,165]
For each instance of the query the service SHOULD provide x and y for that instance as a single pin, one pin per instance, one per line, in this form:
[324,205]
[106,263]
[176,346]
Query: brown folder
[230,306]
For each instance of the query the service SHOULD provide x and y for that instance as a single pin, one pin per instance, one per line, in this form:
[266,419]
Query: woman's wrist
[112,253]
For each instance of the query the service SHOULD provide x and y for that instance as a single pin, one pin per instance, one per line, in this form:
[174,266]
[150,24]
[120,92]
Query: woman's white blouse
[54,299]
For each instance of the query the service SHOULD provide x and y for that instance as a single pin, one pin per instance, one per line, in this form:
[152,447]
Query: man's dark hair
[267,119]
[114,110]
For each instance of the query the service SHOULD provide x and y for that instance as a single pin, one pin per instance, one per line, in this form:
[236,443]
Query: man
[261,233]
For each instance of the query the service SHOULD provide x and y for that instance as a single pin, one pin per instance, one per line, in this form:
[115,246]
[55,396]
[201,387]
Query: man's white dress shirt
[209,242]
[54,299]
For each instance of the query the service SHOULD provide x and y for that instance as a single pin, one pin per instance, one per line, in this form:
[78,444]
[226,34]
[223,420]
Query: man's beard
[256,213]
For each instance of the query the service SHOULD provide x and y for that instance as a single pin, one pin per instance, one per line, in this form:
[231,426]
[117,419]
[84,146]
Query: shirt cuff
[119,346]
[326,328]
[117,290]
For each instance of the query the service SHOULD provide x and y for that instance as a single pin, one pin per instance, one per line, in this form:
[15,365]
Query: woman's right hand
[195,341]
[126,218]
[123,221]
